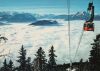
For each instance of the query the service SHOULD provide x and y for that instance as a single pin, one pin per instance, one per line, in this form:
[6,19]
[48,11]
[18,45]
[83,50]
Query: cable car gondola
[89,25]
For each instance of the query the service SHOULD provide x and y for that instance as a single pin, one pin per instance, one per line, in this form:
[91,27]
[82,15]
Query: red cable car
[89,25]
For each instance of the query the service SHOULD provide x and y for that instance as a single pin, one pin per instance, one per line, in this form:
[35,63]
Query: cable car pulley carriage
[89,25]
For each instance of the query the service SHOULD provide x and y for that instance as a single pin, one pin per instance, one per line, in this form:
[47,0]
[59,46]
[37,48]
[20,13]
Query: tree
[40,61]
[22,60]
[11,66]
[95,55]
[52,60]
[29,65]
[80,65]
[5,66]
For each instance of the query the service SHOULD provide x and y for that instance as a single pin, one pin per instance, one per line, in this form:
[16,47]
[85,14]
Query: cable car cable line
[80,39]
[68,7]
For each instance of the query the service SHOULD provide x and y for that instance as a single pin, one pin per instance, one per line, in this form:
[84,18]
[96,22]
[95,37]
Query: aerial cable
[80,39]
[68,7]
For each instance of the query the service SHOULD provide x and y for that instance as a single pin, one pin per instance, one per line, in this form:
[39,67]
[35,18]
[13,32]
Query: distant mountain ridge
[1,23]
[4,23]
[77,16]
[28,17]
[16,17]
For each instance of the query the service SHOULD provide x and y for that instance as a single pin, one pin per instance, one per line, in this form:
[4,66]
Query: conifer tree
[40,60]
[11,66]
[5,66]
[22,60]
[52,60]
[80,65]
[29,65]
[95,55]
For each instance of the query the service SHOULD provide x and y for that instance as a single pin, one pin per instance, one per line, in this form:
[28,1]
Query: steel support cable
[68,7]
[80,39]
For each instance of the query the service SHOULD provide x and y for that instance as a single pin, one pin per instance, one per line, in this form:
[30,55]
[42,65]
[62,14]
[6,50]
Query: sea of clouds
[33,37]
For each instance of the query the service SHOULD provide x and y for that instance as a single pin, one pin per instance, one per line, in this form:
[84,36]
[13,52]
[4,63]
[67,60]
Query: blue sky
[46,6]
